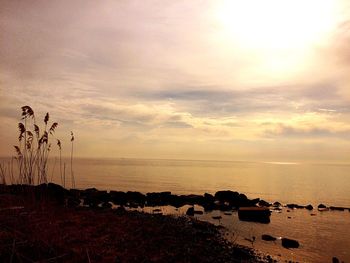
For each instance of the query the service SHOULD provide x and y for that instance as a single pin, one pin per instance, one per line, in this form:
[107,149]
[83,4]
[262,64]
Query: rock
[190,211]
[118,197]
[106,205]
[264,203]
[335,260]
[337,208]
[158,199]
[290,243]
[210,206]
[193,199]
[51,191]
[278,209]
[268,237]
[276,204]
[309,207]
[228,214]
[226,196]
[321,206]
[312,214]
[120,210]
[294,206]
[209,198]
[72,201]
[135,197]
[176,201]
[216,217]
[254,214]
[197,212]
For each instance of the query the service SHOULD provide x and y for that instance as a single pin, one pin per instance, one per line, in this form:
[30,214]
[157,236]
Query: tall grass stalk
[71,161]
[34,148]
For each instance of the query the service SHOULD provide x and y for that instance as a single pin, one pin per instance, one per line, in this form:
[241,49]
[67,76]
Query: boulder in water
[309,207]
[290,243]
[190,211]
[268,237]
[254,214]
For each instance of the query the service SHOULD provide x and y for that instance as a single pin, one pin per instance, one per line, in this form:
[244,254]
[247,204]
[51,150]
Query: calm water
[287,183]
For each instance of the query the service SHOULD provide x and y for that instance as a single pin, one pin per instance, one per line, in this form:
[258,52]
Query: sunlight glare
[277,24]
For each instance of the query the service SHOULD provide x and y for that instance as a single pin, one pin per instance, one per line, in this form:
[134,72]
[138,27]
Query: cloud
[284,131]
[137,73]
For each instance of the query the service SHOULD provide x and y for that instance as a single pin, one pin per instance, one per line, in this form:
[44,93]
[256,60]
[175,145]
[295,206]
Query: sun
[278,32]
[277,24]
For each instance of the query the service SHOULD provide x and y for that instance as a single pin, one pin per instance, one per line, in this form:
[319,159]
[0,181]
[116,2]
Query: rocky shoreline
[44,223]
[74,202]
[222,200]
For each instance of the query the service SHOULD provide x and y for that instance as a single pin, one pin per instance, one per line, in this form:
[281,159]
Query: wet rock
[118,197]
[90,190]
[135,197]
[254,201]
[290,243]
[227,196]
[193,199]
[254,214]
[294,206]
[93,197]
[337,208]
[158,199]
[176,201]
[50,191]
[197,212]
[209,206]
[276,204]
[209,198]
[309,207]
[335,260]
[268,237]
[278,209]
[264,203]
[190,211]
[224,207]
[120,210]
[106,205]
[321,206]
[72,201]
[74,193]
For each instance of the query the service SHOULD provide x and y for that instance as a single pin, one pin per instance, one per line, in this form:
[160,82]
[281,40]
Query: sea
[322,235]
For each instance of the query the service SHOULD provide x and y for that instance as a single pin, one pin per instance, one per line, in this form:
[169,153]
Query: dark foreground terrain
[36,229]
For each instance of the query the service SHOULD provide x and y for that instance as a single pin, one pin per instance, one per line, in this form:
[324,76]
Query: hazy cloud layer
[156,79]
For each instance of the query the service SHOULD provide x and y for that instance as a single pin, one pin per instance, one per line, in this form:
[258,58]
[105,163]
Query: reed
[71,161]
[33,151]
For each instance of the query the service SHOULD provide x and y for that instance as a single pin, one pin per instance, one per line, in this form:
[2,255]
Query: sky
[204,79]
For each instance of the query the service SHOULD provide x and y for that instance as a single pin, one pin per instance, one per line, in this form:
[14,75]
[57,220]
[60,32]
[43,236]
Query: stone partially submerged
[254,214]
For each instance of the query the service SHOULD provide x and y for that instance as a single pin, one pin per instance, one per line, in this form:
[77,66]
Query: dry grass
[33,151]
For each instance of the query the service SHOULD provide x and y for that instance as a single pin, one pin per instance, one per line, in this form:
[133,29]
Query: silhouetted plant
[32,152]
[71,161]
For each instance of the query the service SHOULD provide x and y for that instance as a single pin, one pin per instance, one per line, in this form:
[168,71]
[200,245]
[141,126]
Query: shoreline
[38,227]
[222,200]
[222,207]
